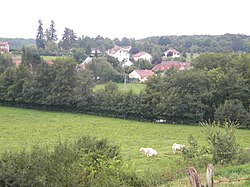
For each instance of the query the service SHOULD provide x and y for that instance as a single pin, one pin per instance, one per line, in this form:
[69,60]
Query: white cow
[148,151]
[177,147]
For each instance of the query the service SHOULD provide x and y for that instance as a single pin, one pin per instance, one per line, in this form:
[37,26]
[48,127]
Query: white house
[140,75]
[4,47]
[95,52]
[127,63]
[172,53]
[143,56]
[121,53]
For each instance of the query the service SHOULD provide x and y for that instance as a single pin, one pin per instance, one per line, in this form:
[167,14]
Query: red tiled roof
[4,43]
[139,54]
[17,62]
[50,62]
[145,73]
[171,64]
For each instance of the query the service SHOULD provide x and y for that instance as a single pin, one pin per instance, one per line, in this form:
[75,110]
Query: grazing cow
[177,147]
[148,151]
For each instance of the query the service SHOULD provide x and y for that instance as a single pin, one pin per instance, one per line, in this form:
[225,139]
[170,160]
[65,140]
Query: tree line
[50,44]
[217,88]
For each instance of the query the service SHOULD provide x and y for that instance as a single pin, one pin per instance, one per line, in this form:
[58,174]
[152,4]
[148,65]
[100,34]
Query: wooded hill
[17,43]
[204,43]
[183,43]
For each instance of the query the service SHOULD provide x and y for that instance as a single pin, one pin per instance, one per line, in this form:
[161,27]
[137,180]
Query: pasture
[135,87]
[23,128]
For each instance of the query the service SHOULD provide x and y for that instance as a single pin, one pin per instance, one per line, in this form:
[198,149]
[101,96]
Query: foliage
[40,39]
[188,96]
[103,71]
[234,111]
[68,39]
[83,92]
[30,57]
[88,162]
[79,55]
[51,32]
[194,154]
[224,147]
[5,62]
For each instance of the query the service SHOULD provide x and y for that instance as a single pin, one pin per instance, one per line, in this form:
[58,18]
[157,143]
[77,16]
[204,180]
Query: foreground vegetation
[21,129]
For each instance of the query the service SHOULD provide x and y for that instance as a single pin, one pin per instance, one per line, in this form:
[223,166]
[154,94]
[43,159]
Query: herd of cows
[151,152]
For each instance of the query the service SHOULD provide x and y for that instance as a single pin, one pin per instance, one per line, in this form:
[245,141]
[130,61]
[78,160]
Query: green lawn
[135,87]
[21,128]
[50,57]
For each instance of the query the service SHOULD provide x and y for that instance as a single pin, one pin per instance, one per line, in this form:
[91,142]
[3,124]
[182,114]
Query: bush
[195,155]
[234,111]
[222,142]
[88,162]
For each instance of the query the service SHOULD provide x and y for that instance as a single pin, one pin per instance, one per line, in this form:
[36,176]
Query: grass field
[21,128]
[135,87]
[50,57]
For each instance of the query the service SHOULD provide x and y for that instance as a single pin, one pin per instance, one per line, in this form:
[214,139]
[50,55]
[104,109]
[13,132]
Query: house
[127,62]
[4,47]
[140,75]
[166,65]
[120,53]
[172,53]
[143,56]
[82,66]
[95,52]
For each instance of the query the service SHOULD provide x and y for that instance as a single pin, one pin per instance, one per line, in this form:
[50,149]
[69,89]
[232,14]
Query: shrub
[234,111]
[222,141]
[195,155]
[87,162]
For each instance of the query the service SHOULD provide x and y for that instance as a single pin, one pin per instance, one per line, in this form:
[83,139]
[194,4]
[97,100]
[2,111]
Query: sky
[125,18]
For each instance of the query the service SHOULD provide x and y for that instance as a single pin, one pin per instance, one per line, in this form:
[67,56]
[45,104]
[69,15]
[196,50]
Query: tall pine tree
[51,32]
[40,43]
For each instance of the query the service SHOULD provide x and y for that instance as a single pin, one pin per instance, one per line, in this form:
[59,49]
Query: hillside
[17,43]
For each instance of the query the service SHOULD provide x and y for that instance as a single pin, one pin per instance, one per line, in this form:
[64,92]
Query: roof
[127,63]
[172,50]
[4,43]
[144,73]
[139,54]
[171,64]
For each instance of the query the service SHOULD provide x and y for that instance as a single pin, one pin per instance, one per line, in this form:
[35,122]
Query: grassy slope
[135,87]
[23,128]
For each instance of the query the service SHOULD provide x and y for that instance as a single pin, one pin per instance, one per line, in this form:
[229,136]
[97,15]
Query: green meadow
[135,87]
[23,128]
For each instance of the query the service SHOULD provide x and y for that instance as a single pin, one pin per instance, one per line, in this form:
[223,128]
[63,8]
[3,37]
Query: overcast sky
[125,18]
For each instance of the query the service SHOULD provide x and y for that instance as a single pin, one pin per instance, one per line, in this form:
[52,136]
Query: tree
[84,90]
[5,62]
[12,82]
[125,42]
[185,97]
[222,140]
[40,40]
[103,71]
[79,55]
[234,111]
[68,39]
[61,93]
[30,57]
[51,32]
